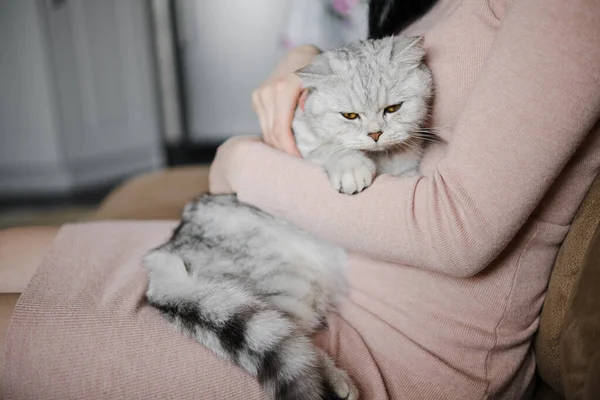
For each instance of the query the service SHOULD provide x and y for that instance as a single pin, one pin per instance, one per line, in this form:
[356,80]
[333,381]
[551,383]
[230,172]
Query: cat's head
[372,95]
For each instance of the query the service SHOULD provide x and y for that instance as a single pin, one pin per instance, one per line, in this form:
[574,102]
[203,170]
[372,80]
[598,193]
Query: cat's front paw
[351,174]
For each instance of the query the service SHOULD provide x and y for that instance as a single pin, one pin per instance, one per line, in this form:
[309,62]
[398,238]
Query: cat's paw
[339,380]
[351,174]
[343,386]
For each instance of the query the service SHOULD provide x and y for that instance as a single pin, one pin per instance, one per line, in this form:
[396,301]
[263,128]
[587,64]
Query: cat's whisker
[408,145]
[432,140]
[428,136]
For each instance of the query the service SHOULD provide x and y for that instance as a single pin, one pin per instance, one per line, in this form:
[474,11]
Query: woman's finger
[259,109]
[289,141]
[282,130]
[269,100]
[288,144]
[263,127]
[280,91]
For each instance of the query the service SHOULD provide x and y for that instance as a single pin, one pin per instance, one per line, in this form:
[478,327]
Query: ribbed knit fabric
[447,272]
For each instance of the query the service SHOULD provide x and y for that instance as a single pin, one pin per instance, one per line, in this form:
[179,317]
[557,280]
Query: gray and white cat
[254,288]
[364,112]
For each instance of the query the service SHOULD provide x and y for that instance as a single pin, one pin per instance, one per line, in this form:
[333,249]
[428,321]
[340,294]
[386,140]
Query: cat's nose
[375,135]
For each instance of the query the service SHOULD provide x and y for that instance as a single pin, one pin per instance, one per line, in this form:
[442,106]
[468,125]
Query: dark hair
[387,17]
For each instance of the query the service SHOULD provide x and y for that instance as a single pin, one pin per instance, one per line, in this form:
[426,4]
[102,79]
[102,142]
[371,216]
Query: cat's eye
[350,115]
[392,108]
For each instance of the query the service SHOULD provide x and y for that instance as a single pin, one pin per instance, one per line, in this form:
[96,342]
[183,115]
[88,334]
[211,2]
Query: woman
[447,272]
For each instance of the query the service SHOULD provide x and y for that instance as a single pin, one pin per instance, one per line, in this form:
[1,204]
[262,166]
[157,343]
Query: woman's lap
[83,329]
[8,302]
[151,196]
[21,251]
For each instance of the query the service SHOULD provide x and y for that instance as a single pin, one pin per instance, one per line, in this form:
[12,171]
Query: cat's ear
[408,50]
[316,72]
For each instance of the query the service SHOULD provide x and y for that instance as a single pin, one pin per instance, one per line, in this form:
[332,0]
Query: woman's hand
[274,103]
[276,99]
[226,167]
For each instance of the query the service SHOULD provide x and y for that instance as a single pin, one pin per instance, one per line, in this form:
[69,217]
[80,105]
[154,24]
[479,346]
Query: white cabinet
[228,48]
[78,101]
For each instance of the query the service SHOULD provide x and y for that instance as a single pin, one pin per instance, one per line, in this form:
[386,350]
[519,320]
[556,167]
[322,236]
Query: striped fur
[252,288]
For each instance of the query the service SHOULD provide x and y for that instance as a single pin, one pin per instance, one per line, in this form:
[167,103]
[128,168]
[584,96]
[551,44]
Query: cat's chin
[376,149]
[379,148]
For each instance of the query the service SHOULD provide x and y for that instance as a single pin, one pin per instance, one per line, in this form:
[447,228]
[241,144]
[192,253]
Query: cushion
[580,341]
[159,195]
[566,336]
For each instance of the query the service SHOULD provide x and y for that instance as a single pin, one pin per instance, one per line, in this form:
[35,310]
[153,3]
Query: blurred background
[93,92]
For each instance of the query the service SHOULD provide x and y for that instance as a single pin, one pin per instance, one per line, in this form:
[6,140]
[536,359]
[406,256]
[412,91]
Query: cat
[253,288]
[364,111]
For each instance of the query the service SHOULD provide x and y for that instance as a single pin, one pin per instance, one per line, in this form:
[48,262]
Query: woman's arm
[537,97]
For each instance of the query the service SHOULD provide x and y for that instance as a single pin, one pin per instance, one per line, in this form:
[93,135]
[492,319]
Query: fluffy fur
[365,78]
[254,288]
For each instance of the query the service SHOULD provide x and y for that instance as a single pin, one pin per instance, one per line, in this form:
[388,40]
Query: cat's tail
[237,325]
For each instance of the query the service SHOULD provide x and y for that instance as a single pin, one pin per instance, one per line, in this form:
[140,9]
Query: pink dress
[448,271]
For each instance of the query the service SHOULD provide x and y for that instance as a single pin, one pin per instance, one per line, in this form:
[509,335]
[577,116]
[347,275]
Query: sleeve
[537,97]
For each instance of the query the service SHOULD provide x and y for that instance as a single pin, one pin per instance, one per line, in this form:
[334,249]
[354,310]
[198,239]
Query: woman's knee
[158,195]
[21,251]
